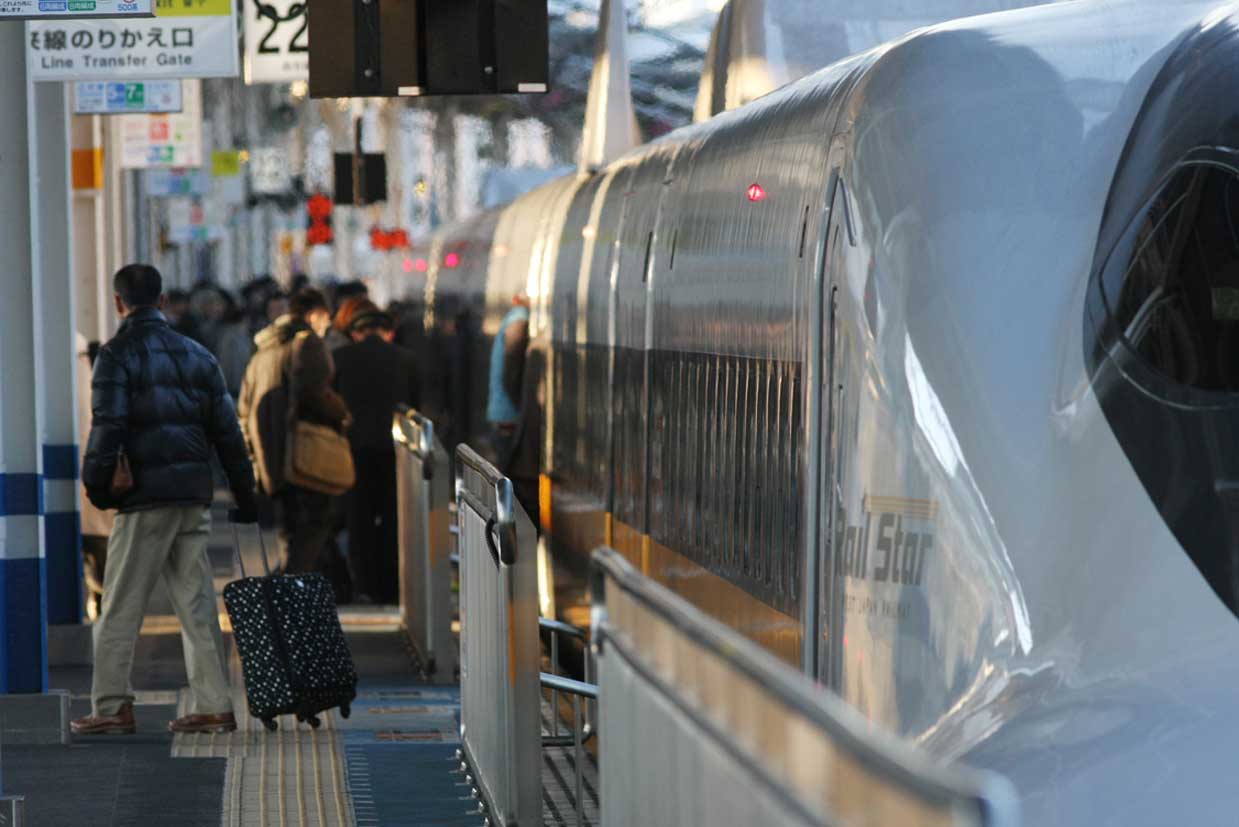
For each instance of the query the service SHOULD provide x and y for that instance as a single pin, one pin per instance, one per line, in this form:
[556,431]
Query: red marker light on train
[420,265]
[408,265]
[451,260]
[756,193]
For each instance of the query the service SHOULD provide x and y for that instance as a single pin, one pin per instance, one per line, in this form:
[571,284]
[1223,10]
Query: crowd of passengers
[349,371]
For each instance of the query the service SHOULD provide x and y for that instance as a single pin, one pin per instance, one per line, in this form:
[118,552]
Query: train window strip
[804,230]
[649,250]
[845,202]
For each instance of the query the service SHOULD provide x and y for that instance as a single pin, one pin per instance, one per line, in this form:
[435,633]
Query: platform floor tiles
[392,763]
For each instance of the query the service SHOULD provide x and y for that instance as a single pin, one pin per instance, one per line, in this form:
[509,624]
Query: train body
[916,372]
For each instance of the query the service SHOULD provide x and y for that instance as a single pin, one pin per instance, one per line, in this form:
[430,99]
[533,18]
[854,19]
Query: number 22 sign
[276,41]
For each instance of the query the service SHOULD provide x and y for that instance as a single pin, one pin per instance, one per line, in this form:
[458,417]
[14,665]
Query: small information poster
[225,163]
[74,9]
[269,171]
[165,140]
[121,97]
[164,182]
[186,39]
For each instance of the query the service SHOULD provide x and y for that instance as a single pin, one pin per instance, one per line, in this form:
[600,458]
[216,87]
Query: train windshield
[1176,300]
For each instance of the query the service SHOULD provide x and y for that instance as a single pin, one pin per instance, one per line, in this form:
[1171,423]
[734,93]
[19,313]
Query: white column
[55,348]
[23,616]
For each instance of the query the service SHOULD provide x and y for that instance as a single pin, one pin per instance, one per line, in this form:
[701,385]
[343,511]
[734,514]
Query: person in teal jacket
[507,365]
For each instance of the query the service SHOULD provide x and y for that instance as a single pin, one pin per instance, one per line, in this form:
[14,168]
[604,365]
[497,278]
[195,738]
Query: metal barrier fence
[424,487]
[500,653]
[698,725]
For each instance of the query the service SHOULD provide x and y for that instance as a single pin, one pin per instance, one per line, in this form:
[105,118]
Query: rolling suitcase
[294,657]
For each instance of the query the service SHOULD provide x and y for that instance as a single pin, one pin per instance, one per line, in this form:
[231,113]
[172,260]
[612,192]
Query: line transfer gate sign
[186,39]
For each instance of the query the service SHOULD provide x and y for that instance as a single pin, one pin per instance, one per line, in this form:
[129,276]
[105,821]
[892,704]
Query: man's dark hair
[348,289]
[138,285]
[306,300]
[371,321]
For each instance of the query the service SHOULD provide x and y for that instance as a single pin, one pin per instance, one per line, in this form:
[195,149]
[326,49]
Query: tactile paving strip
[293,776]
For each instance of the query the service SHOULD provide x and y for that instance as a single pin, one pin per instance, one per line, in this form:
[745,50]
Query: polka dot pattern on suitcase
[294,657]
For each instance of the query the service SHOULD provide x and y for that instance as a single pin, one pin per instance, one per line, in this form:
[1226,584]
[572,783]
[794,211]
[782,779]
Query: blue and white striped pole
[23,606]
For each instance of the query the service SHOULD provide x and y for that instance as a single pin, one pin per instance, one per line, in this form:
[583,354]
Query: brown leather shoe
[121,723]
[204,723]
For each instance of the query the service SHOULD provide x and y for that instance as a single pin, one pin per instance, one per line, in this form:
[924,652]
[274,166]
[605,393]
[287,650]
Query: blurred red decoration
[319,206]
[756,193]
[319,209]
[451,260]
[421,265]
[384,240]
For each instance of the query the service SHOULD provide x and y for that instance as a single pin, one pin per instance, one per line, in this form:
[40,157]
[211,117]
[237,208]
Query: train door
[832,445]
[630,355]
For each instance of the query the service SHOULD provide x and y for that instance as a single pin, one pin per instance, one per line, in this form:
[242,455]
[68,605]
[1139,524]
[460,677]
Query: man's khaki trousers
[169,542]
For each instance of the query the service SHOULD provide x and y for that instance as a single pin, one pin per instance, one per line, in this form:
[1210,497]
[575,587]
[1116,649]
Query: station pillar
[56,348]
[23,593]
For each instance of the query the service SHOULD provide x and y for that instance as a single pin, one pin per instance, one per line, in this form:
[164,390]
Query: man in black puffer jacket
[159,398]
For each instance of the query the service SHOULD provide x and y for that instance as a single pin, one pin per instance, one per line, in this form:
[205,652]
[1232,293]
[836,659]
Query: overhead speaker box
[360,180]
[390,48]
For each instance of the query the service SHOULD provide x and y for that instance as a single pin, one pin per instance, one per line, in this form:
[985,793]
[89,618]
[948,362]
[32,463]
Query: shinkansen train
[923,372]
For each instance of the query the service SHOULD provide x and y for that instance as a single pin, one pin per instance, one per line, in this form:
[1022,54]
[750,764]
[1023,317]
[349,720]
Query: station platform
[393,762]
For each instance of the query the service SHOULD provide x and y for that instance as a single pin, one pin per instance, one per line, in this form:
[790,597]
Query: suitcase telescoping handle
[262,545]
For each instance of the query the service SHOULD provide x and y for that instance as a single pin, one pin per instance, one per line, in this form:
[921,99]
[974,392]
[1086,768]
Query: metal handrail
[562,628]
[570,686]
[559,628]
[415,432]
[425,542]
[489,492]
[887,757]
[581,731]
[498,640]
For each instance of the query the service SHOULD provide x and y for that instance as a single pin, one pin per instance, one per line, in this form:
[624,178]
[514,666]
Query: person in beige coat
[288,378]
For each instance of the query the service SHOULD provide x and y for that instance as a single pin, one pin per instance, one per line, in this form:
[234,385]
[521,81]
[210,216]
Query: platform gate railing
[424,487]
[698,725]
[500,656]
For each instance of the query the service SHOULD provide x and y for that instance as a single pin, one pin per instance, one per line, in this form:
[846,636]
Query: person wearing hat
[374,376]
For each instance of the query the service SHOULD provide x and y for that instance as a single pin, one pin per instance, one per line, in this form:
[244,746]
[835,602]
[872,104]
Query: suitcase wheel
[271,724]
[345,710]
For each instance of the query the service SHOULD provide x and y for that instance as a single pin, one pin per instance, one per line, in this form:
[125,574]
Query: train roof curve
[1099,56]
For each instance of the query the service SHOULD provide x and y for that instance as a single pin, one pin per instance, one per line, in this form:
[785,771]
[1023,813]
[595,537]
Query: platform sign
[75,9]
[270,172]
[95,97]
[167,182]
[190,220]
[186,39]
[165,140]
[277,42]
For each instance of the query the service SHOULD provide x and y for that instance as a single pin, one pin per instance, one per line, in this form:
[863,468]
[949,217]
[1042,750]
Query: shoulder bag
[316,457]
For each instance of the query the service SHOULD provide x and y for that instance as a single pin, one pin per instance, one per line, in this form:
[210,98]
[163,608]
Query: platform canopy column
[56,347]
[23,610]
